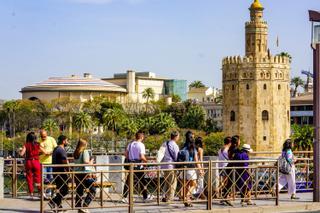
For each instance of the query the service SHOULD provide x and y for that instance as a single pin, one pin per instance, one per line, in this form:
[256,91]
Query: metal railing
[110,186]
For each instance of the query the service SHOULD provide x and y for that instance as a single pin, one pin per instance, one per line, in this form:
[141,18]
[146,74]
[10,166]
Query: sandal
[188,205]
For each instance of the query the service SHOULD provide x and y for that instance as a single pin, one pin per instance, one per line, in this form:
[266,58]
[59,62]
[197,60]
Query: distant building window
[264,86]
[279,87]
[232,116]
[265,115]
[248,87]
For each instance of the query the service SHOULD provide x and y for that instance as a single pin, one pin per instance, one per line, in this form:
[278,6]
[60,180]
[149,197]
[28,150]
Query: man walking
[135,153]
[170,177]
[59,156]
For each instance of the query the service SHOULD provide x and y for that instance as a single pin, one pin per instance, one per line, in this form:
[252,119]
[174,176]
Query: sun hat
[247,147]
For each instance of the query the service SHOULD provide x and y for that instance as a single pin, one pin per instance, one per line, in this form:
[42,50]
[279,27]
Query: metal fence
[111,186]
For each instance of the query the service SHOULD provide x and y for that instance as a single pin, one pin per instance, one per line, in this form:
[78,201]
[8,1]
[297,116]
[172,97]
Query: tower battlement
[256,22]
[232,60]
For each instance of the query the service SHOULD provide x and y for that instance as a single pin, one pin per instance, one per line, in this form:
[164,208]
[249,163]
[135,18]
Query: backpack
[183,156]
[284,166]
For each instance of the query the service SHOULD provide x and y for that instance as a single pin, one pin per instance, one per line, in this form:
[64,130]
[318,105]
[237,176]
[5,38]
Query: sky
[179,39]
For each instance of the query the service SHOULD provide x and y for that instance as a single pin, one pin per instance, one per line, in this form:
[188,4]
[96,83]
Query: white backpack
[161,152]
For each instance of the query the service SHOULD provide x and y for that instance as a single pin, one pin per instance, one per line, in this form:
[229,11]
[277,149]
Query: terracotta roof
[74,83]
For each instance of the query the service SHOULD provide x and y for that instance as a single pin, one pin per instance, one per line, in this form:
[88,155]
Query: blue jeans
[47,177]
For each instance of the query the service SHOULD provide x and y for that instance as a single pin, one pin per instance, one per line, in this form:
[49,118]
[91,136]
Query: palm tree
[196,84]
[113,118]
[11,107]
[286,55]
[148,94]
[296,82]
[50,125]
[82,121]
[302,137]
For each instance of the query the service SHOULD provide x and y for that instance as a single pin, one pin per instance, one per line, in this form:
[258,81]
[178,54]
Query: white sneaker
[125,200]
[149,198]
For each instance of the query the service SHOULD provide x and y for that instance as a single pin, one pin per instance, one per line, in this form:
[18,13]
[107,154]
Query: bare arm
[22,151]
[143,158]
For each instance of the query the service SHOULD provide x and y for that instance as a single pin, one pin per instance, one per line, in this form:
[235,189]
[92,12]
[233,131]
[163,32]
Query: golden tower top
[256,5]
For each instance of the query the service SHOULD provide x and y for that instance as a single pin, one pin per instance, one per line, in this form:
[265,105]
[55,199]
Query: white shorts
[191,175]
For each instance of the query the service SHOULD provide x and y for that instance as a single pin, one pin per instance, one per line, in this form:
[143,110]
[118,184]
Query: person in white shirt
[224,156]
[135,153]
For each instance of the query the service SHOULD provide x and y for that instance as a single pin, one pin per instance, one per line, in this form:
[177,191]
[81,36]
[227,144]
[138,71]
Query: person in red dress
[31,150]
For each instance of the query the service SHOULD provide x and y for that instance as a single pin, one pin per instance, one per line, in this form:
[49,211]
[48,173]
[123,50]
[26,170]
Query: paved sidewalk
[286,205]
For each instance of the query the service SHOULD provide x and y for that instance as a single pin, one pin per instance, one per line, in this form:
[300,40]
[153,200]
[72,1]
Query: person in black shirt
[59,156]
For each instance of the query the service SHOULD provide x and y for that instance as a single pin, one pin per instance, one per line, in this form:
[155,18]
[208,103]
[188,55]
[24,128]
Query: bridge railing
[112,186]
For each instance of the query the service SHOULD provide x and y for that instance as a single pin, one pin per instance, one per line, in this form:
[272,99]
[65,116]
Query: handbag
[285,166]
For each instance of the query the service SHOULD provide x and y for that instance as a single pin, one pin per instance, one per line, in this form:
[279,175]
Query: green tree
[50,125]
[176,98]
[302,137]
[211,126]
[11,108]
[286,54]
[177,111]
[296,82]
[82,121]
[196,84]
[148,94]
[212,143]
[113,119]
[194,118]
[161,123]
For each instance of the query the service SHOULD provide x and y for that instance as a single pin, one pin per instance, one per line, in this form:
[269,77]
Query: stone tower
[256,92]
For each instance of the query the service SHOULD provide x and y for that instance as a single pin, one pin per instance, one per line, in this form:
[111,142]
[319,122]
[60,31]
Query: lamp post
[314,17]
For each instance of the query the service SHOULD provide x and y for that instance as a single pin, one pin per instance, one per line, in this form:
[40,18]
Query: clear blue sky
[183,39]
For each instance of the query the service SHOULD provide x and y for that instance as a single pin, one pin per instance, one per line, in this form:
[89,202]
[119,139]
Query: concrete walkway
[305,204]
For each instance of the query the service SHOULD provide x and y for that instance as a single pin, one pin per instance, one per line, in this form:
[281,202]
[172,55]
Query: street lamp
[314,17]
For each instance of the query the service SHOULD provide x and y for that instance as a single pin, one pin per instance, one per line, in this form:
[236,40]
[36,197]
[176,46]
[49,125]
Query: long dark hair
[189,139]
[234,146]
[31,138]
[81,146]
[199,143]
[287,145]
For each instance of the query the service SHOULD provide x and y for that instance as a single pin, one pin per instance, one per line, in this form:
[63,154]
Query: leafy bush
[213,143]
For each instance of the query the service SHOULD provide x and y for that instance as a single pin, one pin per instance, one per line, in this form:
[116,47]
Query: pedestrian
[31,150]
[85,180]
[223,158]
[190,176]
[290,178]
[135,153]
[61,179]
[244,183]
[200,181]
[233,150]
[47,145]
[169,174]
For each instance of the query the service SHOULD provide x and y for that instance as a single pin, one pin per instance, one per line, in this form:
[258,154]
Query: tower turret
[256,32]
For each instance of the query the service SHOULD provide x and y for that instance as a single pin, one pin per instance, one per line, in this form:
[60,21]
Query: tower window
[233,87]
[279,87]
[232,116]
[264,138]
[247,87]
[265,115]
[264,86]
[261,75]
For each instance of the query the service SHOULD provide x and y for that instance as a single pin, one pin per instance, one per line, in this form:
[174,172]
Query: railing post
[101,190]
[131,189]
[277,184]
[14,178]
[234,183]
[158,186]
[42,191]
[209,197]
[73,188]
[184,185]
[307,174]
[257,182]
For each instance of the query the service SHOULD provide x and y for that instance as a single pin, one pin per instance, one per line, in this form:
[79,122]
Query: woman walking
[31,150]
[290,178]
[83,180]
[200,181]
[244,183]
